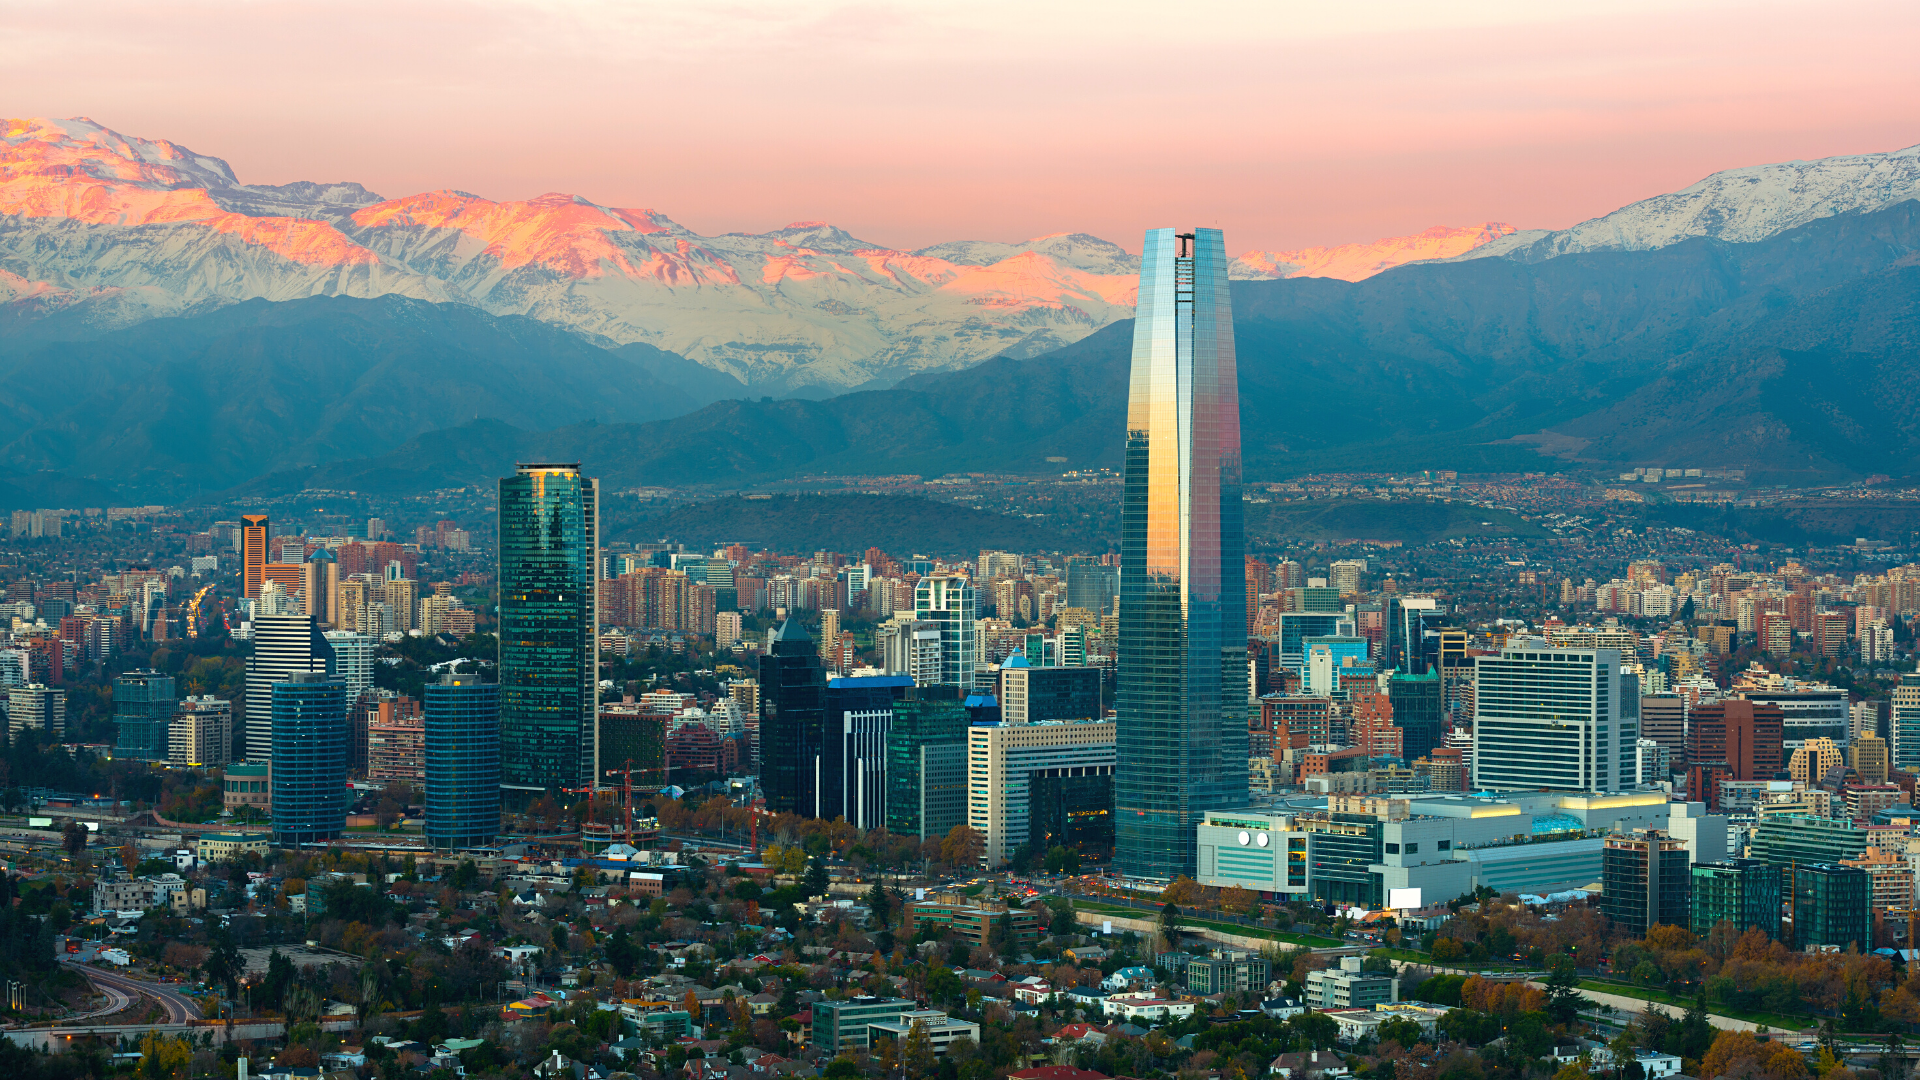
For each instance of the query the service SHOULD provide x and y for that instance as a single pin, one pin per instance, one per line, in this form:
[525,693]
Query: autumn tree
[962,846]
[919,1051]
[1743,1054]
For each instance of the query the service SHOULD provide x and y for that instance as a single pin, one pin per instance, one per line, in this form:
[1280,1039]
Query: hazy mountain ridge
[1702,353]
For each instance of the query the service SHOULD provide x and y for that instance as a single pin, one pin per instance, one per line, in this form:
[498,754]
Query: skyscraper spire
[1183,644]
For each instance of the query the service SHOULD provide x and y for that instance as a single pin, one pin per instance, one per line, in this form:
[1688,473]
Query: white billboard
[1403,898]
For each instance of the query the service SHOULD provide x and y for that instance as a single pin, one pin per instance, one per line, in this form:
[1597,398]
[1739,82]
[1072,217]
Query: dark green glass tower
[927,768]
[549,632]
[1182,696]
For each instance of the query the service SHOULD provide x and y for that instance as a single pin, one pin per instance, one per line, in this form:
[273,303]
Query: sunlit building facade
[549,632]
[1182,734]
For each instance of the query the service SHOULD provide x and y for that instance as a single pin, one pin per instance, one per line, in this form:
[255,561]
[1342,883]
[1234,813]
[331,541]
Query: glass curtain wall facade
[1183,630]
[927,768]
[309,758]
[143,706]
[462,717]
[549,632]
[793,697]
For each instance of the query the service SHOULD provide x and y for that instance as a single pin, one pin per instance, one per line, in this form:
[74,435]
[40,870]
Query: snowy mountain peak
[1078,250]
[815,236]
[1354,262]
[101,153]
[1737,205]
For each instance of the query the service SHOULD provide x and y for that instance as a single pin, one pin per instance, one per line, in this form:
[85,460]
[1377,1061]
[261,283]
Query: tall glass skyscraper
[549,631]
[463,761]
[1182,697]
[309,758]
[793,700]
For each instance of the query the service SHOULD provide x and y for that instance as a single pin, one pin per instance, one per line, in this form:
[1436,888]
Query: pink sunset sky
[1286,123]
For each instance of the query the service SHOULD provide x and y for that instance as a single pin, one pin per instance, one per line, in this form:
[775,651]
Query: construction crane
[193,611]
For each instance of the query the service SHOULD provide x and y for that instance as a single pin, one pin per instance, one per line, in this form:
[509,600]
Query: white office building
[950,605]
[1003,760]
[283,646]
[353,660]
[1553,718]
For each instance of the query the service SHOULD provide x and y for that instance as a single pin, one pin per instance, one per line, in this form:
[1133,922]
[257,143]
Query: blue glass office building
[309,758]
[549,632]
[143,707]
[463,762]
[1182,694]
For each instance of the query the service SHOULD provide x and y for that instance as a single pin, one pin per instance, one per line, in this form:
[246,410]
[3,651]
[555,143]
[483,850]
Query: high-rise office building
[36,707]
[1807,713]
[1869,754]
[143,706]
[1091,585]
[320,587]
[1831,907]
[463,761]
[1646,877]
[1550,717]
[911,648]
[255,533]
[1030,695]
[1005,762]
[1408,618]
[927,768]
[549,631]
[201,732]
[793,700]
[1295,627]
[1744,892]
[283,646]
[1663,718]
[950,605]
[1419,711]
[1904,726]
[1741,736]
[353,660]
[850,774]
[1182,695]
[309,757]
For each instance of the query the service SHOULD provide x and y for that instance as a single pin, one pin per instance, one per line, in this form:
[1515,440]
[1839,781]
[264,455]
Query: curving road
[179,1007]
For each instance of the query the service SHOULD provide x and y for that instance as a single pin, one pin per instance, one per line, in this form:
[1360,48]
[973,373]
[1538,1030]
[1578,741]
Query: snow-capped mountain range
[106,229]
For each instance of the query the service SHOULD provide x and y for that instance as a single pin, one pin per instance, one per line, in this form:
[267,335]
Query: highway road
[179,1008]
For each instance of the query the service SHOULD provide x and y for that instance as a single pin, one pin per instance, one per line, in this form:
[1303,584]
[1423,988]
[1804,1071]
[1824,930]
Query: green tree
[74,838]
[816,880]
[1170,925]
[1563,990]
[1063,923]
[1062,860]
[1400,1030]
[467,875]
